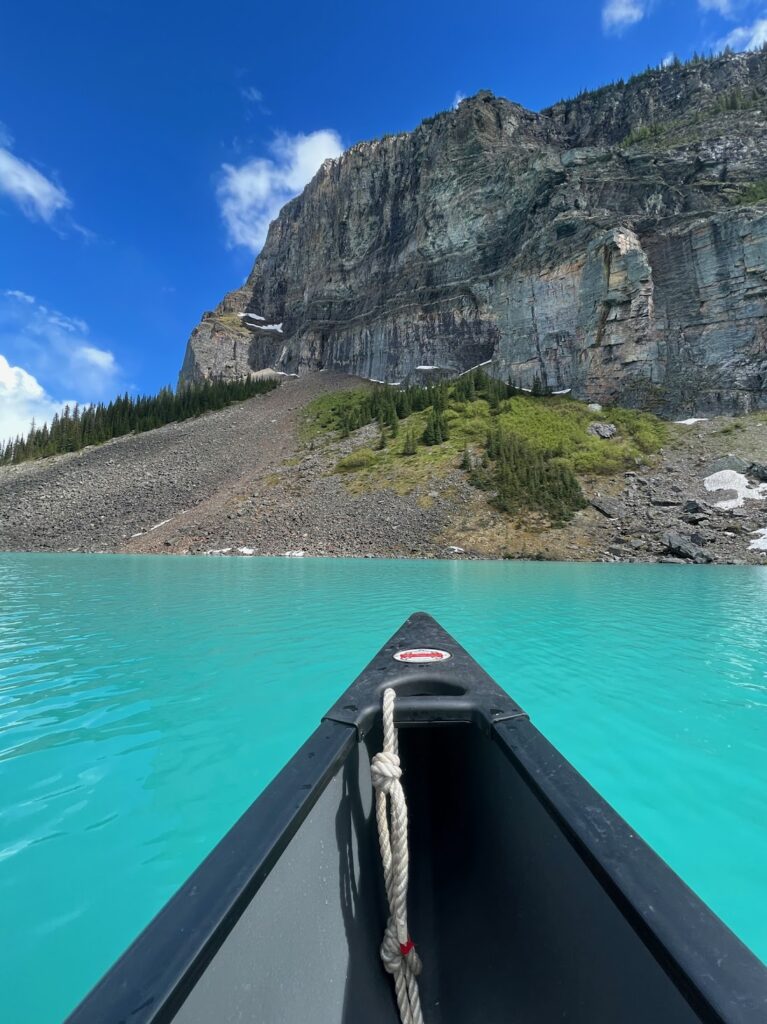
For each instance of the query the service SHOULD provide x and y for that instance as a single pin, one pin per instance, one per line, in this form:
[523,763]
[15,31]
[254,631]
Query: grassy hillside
[526,451]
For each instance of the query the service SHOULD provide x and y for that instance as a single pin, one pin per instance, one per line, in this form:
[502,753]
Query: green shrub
[642,133]
[751,192]
[361,459]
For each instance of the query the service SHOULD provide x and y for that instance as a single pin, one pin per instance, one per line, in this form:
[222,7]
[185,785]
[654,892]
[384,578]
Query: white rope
[397,950]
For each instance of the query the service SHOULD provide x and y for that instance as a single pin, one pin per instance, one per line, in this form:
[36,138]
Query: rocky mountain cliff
[614,244]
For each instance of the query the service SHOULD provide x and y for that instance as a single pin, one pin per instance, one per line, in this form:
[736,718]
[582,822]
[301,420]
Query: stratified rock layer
[613,244]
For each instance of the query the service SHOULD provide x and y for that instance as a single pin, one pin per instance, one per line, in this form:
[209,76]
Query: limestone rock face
[614,244]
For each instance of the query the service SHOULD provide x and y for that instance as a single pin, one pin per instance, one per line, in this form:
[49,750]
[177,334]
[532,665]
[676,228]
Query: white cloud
[22,399]
[37,197]
[14,293]
[250,196]
[458,98]
[620,14]
[98,357]
[723,7]
[746,37]
[251,94]
[54,348]
[668,60]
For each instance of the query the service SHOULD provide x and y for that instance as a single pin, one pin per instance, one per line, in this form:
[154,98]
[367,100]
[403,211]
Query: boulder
[684,547]
[604,430]
[757,471]
[733,462]
[609,507]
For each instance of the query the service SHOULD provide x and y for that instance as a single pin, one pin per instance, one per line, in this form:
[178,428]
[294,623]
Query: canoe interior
[509,921]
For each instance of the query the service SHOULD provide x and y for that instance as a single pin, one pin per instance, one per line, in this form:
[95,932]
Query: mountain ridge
[605,244]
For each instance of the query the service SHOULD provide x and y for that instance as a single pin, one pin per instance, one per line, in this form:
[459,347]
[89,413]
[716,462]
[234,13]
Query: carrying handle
[436,681]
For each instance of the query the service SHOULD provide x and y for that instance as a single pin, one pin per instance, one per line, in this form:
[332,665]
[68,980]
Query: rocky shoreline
[655,518]
[243,482]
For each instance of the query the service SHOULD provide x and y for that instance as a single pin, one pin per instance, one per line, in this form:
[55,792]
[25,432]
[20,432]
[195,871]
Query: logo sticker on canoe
[421,656]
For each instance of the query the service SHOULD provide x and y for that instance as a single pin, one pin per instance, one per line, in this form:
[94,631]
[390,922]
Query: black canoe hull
[531,900]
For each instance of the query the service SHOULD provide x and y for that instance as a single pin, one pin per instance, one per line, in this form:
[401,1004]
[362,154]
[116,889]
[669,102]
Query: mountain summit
[614,244]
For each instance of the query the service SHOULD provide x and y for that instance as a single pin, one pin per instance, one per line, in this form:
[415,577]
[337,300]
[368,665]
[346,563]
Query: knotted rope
[397,950]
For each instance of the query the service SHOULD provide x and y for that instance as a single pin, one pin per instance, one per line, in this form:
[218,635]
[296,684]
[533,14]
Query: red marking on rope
[405,947]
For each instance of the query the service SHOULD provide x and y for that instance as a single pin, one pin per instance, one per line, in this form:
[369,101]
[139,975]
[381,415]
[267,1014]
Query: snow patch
[692,421]
[730,480]
[247,551]
[760,544]
[218,551]
[566,391]
[295,554]
[475,367]
[427,367]
[158,525]
[262,325]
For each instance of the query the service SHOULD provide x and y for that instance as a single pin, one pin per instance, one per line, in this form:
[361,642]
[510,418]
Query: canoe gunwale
[721,979]
[151,980]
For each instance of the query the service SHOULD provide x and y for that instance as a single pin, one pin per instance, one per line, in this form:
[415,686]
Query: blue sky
[144,147]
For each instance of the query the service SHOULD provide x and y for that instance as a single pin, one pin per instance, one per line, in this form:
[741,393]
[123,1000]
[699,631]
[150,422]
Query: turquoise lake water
[144,703]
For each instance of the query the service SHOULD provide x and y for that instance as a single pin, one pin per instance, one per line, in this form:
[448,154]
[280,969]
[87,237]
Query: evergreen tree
[78,427]
[524,477]
[430,433]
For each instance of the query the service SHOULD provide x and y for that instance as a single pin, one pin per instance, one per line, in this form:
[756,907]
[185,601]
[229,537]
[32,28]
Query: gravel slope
[97,499]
